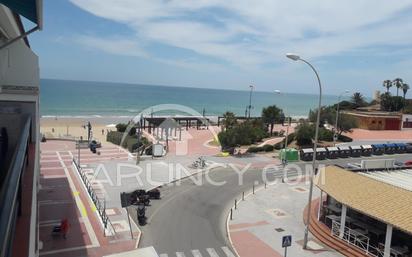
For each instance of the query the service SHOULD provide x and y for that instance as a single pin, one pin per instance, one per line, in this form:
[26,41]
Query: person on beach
[102,131]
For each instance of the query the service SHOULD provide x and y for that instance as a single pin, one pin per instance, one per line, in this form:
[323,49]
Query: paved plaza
[260,222]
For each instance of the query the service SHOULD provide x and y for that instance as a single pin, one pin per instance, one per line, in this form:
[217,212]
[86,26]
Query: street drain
[279,229]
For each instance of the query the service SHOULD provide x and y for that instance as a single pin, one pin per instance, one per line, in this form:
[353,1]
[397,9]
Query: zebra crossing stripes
[212,252]
[227,251]
[208,252]
[196,253]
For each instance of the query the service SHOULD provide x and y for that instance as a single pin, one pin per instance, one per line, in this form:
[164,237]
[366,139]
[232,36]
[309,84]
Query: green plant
[254,149]
[229,120]
[246,133]
[271,115]
[121,127]
[268,148]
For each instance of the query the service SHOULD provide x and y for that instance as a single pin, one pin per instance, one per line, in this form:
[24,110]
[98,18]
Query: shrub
[132,131]
[121,127]
[344,138]
[268,148]
[245,133]
[130,142]
[114,137]
[255,149]
[281,144]
[325,134]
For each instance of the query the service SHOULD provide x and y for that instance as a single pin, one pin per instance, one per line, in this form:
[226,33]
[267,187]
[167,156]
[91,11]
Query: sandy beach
[73,127]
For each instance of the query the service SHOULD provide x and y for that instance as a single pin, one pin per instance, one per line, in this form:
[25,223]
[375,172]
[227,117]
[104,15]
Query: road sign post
[286,242]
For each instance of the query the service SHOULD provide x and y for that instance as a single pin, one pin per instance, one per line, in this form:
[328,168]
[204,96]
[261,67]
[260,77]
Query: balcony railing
[10,194]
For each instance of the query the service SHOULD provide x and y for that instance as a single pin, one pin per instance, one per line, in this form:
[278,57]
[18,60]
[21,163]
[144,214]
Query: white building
[19,129]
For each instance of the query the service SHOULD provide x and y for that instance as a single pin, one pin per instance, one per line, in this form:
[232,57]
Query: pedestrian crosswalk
[208,252]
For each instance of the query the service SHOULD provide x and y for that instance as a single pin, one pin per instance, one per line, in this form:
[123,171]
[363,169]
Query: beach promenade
[63,196]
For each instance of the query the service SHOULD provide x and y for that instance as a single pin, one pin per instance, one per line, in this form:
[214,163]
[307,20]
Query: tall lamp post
[250,100]
[287,134]
[335,135]
[296,57]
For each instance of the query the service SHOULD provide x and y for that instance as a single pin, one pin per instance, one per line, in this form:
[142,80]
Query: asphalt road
[193,217]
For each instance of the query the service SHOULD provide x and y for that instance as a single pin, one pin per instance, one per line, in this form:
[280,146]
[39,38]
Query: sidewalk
[62,195]
[260,222]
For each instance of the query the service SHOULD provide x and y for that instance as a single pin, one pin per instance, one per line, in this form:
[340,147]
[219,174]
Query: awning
[30,9]
[380,200]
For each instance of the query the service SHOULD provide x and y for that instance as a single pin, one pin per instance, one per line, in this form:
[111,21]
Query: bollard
[265,185]
[235,204]
[243,196]
[231,214]
[253,189]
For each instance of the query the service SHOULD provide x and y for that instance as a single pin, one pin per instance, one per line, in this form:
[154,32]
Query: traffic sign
[287,241]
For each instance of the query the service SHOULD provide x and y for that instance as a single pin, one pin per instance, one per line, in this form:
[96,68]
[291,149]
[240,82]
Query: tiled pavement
[62,195]
[262,219]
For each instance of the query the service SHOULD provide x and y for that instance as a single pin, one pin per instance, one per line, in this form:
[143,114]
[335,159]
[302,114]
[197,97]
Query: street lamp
[287,130]
[335,135]
[250,99]
[284,157]
[296,57]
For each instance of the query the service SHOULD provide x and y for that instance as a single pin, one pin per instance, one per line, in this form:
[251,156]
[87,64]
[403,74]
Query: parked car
[408,163]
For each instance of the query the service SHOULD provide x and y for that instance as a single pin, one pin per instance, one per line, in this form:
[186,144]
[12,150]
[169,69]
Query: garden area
[133,142]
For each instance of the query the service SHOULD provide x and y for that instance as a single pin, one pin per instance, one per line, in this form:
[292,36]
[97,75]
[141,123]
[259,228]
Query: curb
[159,186]
[232,208]
[247,195]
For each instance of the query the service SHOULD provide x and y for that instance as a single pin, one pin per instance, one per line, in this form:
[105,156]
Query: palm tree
[358,100]
[398,84]
[229,120]
[270,115]
[387,84]
[405,88]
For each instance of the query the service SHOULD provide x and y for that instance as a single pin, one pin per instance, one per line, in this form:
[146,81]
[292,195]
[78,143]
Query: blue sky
[355,44]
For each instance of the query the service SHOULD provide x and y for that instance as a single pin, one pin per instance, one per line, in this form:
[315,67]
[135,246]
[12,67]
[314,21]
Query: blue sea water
[82,98]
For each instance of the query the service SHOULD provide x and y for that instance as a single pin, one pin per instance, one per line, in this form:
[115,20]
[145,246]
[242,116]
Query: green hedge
[344,138]
[255,149]
[281,144]
[130,142]
[268,148]
[114,137]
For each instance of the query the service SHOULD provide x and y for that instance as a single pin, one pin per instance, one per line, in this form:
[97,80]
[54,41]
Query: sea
[82,99]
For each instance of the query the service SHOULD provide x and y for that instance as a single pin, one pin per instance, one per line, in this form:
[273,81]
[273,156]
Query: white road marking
[212,252]
[80,205]
[196,253]
[163,255]
[66,250]
[227,251]
[180,254]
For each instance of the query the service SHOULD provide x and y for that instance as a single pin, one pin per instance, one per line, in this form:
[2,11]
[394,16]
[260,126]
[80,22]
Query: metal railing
[100,204]
[10,194]
[356,239]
